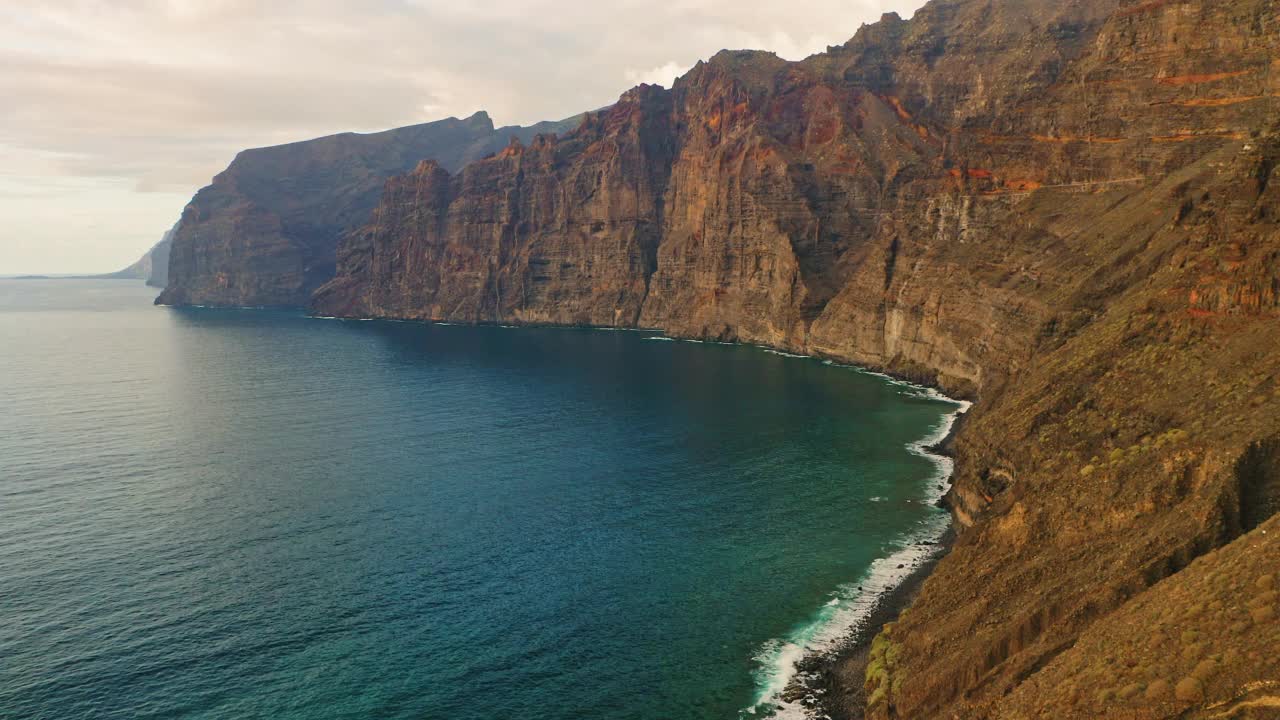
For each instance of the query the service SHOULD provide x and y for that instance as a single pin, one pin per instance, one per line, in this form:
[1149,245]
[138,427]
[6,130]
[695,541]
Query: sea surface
[256,514]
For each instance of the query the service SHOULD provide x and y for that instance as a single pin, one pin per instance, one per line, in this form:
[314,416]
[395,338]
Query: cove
[225,514]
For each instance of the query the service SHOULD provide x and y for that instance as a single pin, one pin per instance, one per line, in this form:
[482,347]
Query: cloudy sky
[116,111]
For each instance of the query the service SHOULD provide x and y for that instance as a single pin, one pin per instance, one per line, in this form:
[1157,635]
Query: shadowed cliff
[153,266]
[264,232]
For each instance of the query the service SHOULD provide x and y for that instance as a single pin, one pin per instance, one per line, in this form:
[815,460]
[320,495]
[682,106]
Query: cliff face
[556,232]
[265,231]
[1067,209]
[157,260]
[779,196]
[153,266]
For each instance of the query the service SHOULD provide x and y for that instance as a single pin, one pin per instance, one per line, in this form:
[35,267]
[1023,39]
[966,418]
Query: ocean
[211,513]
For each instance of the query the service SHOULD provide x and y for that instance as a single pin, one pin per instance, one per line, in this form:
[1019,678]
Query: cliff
[153,266]
[1064,209]
[556,232]
[140,270]
[158,260]
[264,232]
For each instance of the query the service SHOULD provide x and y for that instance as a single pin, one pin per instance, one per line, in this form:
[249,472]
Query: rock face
[153,267]
[265,231]
[1064,208]
[557,232]
[158,258]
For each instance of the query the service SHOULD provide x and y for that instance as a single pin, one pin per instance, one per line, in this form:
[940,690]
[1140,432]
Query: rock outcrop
[1066,209]
[264,233]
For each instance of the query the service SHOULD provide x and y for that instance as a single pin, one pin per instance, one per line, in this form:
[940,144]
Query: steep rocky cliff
[158,259]
[153,266]
[265,231]
[1066,208]
[561,231]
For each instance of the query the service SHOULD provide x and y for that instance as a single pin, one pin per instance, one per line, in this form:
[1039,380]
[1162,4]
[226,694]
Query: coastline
[840,675]
[823,678]
[826,676]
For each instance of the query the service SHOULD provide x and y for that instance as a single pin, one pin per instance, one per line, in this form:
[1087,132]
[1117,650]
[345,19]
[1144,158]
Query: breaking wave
[852,604]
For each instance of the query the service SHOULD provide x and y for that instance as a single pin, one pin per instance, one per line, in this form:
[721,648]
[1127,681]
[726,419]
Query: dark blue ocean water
[253,514]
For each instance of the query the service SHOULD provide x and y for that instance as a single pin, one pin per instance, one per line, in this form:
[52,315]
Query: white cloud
[663,75]
[153,97]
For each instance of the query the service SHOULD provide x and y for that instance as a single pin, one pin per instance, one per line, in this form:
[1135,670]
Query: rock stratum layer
[1065,208]
[265,231]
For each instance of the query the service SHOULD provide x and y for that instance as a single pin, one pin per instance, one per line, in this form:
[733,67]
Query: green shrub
[877,697]
[877,680]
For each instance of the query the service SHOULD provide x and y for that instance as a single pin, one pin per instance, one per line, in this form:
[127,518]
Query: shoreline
[840,675]
[827,682]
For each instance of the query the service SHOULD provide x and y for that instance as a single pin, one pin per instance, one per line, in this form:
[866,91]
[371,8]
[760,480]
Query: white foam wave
[853,603]
[229,307]
[360,319]
[705,342]
[831,626]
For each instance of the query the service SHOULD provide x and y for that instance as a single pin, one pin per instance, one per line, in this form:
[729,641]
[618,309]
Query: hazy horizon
[119,113]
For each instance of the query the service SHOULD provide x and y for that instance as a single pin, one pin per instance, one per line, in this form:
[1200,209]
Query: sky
[116,111]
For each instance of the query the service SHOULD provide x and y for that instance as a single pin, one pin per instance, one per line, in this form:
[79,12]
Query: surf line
[852,604]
